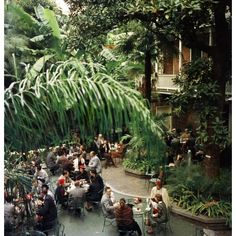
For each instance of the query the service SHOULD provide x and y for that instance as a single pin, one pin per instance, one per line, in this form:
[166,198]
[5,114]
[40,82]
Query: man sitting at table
[159,212]
[46,215]
[124,218]
[107,205]
[60,193]
[66,176]
[78,191]
[82,174]
[51,161]
[76,194]
[95,190]
[41,175]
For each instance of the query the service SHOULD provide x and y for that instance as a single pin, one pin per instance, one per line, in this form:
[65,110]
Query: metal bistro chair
[126,232]
[53,230]
[148,176]
[57,230]
[164,226]
[60,230]
[108,221]
[76,203]
[32,233]
[96,206]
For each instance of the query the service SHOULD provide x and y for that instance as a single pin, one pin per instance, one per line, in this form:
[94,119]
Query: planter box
[201,220]
[136,173]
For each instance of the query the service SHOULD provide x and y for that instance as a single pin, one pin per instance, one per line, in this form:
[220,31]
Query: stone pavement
[125,184]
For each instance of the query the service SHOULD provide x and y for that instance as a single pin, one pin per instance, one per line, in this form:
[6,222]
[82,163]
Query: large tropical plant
[65,95]
[53,95]
[190,21]
[34,37]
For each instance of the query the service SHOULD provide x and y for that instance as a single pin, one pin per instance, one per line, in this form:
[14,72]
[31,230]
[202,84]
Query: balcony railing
[164,84]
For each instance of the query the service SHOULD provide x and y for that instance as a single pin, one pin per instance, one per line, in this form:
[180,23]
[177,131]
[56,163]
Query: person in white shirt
[108,206]
[78,161]
[158,189]
[41,175]
[95,163]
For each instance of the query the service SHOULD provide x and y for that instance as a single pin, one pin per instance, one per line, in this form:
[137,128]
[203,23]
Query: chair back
[60,230]
[75,203]
[125,232]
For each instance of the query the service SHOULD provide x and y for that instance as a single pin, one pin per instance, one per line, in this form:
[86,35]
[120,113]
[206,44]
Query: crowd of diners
[79,175]
[180,143]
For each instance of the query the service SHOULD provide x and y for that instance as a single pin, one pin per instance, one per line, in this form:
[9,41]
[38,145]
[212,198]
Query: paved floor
[123,186]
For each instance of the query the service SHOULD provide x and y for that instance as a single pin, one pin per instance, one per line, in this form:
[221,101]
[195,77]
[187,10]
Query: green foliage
[135,162]
[31,39]
[28,5]
[191,189]
[68,94]
[145,152]
[198,92]
[15,175]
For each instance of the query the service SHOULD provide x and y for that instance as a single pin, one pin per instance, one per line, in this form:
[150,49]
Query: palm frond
[65,97]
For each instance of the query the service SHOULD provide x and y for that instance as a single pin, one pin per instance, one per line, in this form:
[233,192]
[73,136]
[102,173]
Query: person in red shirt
[124,218]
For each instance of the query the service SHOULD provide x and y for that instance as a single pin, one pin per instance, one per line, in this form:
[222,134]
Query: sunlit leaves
[68,95]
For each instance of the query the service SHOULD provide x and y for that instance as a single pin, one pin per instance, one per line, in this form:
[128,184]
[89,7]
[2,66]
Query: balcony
[164,84]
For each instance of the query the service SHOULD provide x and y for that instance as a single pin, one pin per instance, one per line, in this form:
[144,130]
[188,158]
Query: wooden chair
[119,153]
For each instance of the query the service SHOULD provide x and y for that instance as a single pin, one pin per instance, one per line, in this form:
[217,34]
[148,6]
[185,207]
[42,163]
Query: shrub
[191,189]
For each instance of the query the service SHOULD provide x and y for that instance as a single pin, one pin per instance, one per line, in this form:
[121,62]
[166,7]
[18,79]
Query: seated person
[159,212]
[31,168]
[94,175]
[60,193]
[51,161]
[185,136]
[198,154]
[46,215]
[76,194]
[82,174]
[41,174]
[68,165]
[9,214]
[108,206]
[124,218]
[78,191]
[66,176]
[49,191]
[161,190]
[78,162]
[35,189]
[104,149]
[105,152]
[95,190]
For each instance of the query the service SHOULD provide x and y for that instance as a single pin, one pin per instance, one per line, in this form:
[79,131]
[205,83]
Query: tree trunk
[148,73]
[221,70]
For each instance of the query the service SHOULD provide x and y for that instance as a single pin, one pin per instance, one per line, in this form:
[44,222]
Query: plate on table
[137,210]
